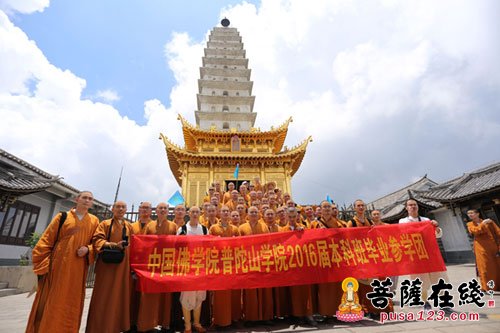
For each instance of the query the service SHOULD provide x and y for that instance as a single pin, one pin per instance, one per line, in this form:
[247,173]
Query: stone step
[4,285]
[9,291]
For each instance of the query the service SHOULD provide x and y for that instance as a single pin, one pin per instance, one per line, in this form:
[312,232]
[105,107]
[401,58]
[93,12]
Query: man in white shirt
[427,279]
[192,300]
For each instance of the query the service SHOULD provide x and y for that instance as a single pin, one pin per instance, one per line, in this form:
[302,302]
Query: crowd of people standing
[70,244]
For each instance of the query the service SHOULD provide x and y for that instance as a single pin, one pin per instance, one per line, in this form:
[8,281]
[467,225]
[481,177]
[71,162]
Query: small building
[448,203]
[29,198]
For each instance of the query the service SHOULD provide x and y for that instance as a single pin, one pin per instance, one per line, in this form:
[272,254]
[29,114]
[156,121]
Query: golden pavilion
[224,135]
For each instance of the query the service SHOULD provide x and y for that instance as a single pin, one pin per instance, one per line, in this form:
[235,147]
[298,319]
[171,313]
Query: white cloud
[388,90]
[23,6]
[107,96]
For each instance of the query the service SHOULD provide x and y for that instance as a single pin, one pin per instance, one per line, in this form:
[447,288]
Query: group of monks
[65,250]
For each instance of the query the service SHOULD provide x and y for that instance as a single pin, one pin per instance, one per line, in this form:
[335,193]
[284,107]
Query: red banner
[178,263]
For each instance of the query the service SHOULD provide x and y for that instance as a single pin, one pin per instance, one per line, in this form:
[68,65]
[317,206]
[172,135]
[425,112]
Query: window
[18,223]
[225,66]
[235,143]
[225,93]
[237,93]
[237,109]
[225,126]
[225,108]
[212,109]
[213,93]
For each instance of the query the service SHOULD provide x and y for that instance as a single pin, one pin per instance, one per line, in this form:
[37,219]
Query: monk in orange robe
[360,220]
[225,306]
[281,217]
[227,195]
[234,200]
[60,260]
[281,294]
[486,249]
[109,310]
[301,296]
[242,211]
[139,228]
[328,294]
[235,218]
[211,217]
[210,194]
[257,303]
[155,308]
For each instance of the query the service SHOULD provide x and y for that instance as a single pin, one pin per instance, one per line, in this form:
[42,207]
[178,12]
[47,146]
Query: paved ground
[15,309]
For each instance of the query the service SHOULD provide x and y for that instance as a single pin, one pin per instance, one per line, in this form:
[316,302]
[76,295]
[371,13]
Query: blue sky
[389,90]
[118,45]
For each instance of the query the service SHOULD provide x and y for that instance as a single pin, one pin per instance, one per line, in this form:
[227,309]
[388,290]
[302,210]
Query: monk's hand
[120,245]
[82,251]
[435,223]
[487,221]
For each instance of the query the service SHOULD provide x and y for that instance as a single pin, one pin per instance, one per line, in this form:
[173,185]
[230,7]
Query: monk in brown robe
[301,297]
[155,308]
[226,308]
[139,228]
[109,310]
[360,220]
[234,200]
[486,249]
[60,260]
[254,300]
[329,294]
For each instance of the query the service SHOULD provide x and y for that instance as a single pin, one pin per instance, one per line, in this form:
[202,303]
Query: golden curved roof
[177,155]
[192,134]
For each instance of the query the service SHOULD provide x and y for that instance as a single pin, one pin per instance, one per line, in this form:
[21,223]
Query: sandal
[187,331]
[199,328]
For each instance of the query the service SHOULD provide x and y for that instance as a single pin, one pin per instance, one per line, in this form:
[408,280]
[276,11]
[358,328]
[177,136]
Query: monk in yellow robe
[254,300]
[60,260]
[226,308]
[486,249]
[330,293]
[301,295]
[109,310]
[154,309]
[139,228]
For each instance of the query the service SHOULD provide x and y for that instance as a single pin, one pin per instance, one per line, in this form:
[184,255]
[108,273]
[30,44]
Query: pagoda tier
[225,98]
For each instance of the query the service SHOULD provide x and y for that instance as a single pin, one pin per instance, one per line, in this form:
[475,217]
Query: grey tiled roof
[469,184]
[19,176]
[393,204]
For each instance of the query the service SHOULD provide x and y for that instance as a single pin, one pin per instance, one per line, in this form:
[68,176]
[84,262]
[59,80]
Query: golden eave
[177,156]
[192,134]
